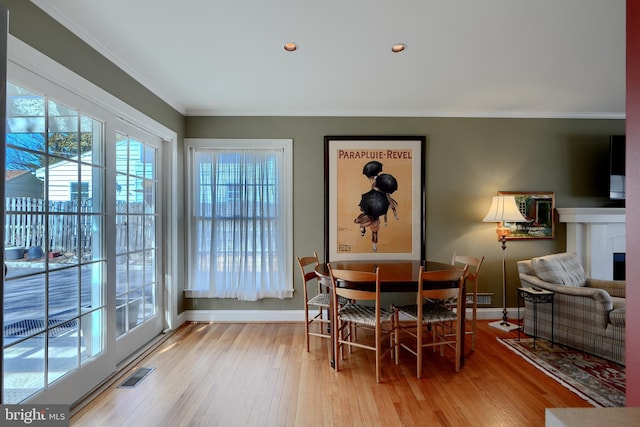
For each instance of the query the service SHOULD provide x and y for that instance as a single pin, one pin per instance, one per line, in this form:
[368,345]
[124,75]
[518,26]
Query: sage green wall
[467,161]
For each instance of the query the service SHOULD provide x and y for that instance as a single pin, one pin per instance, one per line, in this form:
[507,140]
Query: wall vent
[484,298]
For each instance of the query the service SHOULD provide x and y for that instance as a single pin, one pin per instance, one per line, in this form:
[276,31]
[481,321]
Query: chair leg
[391,345]
[434,330]
[342,327]
[419,333]
[306,326]
[473,329]
[378,368]
[336,345]
[392,337]
[396,336]
[459,338]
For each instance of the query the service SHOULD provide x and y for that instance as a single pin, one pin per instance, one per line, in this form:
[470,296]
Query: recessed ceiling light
[398,47]
[290,47]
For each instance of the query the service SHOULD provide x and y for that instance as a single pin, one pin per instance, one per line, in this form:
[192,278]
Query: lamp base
[504,326]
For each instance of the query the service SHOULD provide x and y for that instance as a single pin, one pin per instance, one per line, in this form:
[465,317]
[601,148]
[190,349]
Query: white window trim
[287,187]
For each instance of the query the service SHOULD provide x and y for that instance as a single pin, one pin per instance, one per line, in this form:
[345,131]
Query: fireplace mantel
[595,234]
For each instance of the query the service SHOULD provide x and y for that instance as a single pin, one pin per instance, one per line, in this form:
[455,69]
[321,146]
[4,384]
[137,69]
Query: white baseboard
[266,316]
[245,316]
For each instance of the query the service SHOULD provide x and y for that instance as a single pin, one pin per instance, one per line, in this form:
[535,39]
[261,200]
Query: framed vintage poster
[538,207]
[374,198]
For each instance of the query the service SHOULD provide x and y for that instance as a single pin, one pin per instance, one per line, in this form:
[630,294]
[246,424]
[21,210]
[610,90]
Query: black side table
[536,296]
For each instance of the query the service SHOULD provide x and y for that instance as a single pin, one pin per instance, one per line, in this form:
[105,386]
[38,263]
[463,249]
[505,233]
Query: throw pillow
[563,268]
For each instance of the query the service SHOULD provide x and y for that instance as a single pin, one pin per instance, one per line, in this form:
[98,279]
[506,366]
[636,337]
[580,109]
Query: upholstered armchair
[589,314]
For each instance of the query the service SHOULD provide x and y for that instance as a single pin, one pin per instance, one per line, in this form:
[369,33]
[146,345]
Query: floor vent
[136,378]
[485,298]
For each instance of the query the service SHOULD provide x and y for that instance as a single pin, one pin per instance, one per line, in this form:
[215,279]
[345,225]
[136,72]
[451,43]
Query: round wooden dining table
[395,276]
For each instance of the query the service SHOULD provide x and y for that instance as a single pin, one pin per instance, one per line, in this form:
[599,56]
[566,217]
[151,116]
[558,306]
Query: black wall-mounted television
[616,167]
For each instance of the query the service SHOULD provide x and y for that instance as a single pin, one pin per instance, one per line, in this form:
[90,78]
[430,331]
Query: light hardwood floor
[261,375]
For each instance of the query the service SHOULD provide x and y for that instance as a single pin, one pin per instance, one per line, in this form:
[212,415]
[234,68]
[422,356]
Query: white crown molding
[410,114]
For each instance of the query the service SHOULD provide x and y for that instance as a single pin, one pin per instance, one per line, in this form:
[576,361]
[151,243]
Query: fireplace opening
[619,266]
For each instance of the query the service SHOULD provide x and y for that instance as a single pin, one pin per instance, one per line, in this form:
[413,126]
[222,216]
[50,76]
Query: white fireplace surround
[595,234]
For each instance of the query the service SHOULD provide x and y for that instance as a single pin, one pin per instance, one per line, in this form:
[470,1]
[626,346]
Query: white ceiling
[467,58]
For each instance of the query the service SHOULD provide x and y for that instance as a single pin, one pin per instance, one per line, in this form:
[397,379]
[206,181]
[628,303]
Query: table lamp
[504,209]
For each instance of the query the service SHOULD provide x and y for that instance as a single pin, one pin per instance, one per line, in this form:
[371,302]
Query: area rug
[598,381]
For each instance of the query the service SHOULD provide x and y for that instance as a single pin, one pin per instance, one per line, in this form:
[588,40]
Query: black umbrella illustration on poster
[376,202]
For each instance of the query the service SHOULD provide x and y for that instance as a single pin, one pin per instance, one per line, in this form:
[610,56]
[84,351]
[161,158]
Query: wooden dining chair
[360,286]
[473,272]
[432,314]
[316,300]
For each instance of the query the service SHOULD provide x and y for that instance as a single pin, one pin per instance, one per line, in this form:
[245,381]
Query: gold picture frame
[539,209]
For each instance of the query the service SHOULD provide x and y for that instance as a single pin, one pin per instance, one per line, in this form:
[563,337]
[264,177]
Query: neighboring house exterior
[62,186]
[22,183]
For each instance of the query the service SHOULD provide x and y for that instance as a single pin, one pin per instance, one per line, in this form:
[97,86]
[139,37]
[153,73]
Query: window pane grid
[54,216]
[136,228]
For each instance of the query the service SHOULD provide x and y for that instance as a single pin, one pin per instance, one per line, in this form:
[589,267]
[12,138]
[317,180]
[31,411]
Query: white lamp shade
[504,209]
